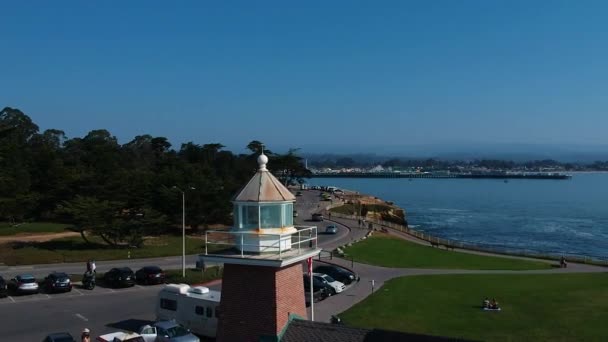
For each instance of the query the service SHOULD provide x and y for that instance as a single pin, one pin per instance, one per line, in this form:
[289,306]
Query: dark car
[338,273]
[320,289]
[57,281]
[3,289]
[119,277]
[150,275]
[59,337]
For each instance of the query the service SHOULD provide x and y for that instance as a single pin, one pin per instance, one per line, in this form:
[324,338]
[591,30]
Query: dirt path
[36,237]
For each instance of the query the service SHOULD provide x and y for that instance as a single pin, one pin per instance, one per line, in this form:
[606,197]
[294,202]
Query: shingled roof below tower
[304,331]
[264,187]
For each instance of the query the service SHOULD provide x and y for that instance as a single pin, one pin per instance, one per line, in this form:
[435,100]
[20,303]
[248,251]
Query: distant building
[377,168]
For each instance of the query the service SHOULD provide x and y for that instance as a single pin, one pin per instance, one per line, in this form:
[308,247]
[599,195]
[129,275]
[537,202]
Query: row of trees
[121,192]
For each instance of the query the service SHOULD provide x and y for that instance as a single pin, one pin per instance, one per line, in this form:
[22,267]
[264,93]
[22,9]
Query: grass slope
[552,307]
[31,227]
[75,249]
[393,252]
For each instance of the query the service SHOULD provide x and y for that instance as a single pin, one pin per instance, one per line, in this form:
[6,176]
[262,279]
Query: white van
[196,307]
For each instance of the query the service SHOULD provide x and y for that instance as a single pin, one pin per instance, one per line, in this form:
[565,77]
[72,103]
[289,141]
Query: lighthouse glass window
[251,217]
[288,215]
[270,216]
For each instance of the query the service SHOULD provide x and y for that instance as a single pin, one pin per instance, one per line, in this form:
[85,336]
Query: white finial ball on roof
[262,161]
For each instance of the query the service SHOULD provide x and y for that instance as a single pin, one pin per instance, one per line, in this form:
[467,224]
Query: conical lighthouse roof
[264,187]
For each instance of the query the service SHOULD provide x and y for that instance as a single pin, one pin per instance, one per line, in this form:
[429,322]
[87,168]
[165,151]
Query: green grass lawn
[347,209]
[550,307]
[74,249]
[393,252]
[32,227]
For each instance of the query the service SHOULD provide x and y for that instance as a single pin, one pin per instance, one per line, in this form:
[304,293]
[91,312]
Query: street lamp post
[183,228]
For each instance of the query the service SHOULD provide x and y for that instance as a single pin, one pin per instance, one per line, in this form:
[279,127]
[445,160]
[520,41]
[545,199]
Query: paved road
[31,318]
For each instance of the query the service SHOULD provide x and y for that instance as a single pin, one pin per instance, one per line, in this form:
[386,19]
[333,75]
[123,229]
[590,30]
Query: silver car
[166,331]
[331,229]
[23,283]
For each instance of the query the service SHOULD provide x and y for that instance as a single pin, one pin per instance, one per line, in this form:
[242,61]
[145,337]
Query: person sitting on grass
[486,303]
[494,304]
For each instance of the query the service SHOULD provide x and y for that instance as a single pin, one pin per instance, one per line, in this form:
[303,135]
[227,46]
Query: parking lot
[76,292]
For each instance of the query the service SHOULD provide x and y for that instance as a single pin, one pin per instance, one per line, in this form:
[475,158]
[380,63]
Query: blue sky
[320,75]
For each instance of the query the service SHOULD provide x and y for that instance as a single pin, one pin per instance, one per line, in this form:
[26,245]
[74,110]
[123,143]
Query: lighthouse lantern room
[263,213]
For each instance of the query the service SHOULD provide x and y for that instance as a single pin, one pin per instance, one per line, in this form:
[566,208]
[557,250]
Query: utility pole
[183,227]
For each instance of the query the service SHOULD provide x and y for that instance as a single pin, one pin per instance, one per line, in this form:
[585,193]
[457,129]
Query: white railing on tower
[236,243]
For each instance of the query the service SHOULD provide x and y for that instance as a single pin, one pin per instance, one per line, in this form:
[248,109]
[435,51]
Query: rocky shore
[369,207]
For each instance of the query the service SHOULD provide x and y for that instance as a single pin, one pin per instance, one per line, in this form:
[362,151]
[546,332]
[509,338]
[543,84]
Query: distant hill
[516,152]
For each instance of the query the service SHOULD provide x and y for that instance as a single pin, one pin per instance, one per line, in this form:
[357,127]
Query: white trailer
[196,308]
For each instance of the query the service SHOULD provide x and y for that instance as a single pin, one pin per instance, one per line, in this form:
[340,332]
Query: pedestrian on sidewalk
[86,335]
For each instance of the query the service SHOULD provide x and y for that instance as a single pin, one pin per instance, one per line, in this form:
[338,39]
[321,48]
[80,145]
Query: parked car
[336,286]
[295,213]
[59,337]
[23,283]
[57,281]
[150,275]
[331,229]
[166,331]
[3,289]
[338,273]
[317,217]
[299,193]
[119,277]
[319,288]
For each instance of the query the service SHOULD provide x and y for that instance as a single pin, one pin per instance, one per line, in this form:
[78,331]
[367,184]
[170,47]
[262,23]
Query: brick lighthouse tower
[262,285]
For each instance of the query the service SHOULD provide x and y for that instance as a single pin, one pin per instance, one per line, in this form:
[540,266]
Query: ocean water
[568,217]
